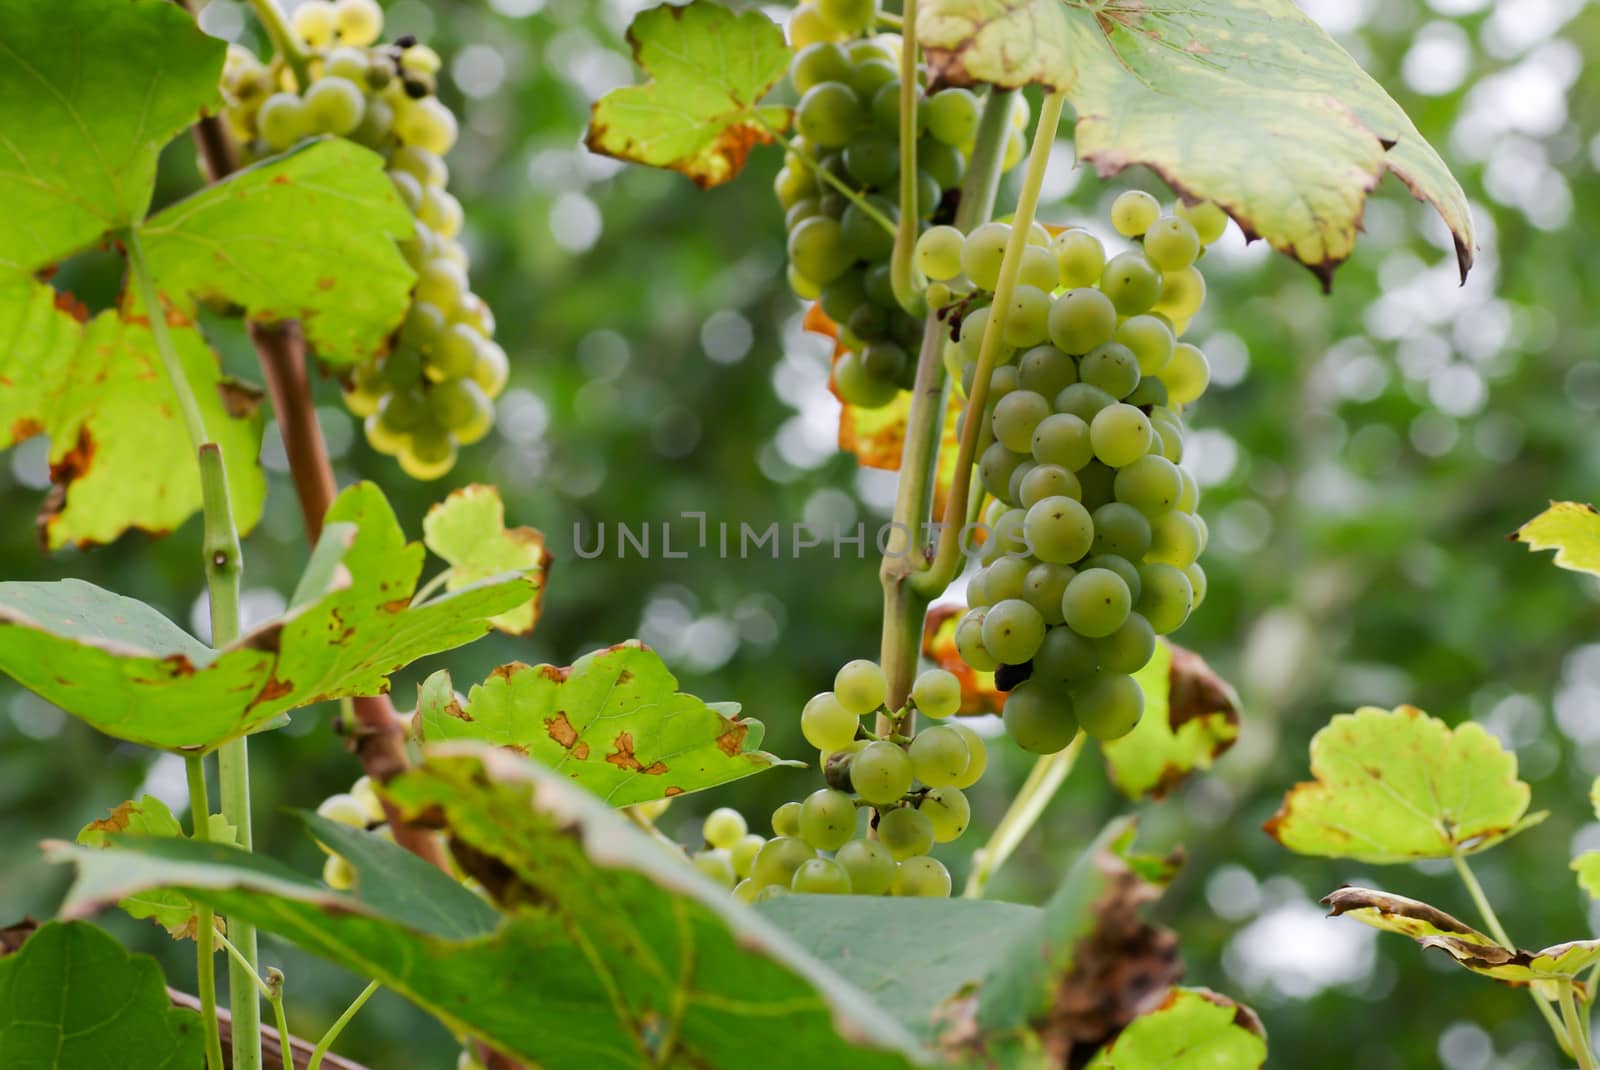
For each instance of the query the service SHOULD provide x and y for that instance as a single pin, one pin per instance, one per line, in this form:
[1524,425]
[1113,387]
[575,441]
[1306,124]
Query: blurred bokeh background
[1363,456]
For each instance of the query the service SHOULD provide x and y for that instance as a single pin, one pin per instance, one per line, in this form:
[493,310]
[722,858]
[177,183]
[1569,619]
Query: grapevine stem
[224,566]
[205,924]
[948,558]
[902,273]
[275,997]
[983,168]
[1574,1028]
[238,956]
[431,586]
[1498,931]
[283,39]
[827,176]
[1044,780]
[337,1027]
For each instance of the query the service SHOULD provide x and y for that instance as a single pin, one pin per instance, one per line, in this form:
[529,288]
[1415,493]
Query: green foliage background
[1382,442]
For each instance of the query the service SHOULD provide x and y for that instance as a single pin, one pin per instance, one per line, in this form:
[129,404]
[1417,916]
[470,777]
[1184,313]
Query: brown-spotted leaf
[1193,1029]
[1571,529]
[1191,718]
[145,817]
[701,111]
[1431,928]
[978,693]
[614,721]
[1396,786]
[1248,103]
[468,529]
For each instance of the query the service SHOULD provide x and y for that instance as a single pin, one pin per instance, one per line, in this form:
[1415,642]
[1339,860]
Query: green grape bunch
[433,392]
[839,186]
[1093,530]
[827,843]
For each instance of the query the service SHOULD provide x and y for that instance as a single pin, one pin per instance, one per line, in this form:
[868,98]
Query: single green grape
[441,283]
[1046,370]
[1047,481]
[441,211]
[1122,567]
[1131,282]
[881,773]
[1129,648]
[943,163]
[983,253]
[829,114]
[723,827]
[818,251]
[314,23]
[1175,539]
[743,852]
[939,756]
[1150,340]
[383,439]
[1062,439]
[1112,367]
[952,116]
[1133,212]
[1109,704]
[1039,716]
[857,386]
[1096,602]
[905,832]
[969,641]
[1182,293]
[948,811]
[995,469]
[1004,577]
[937,693]
[1016,417]
[1171,243]
[1082,319]
[820,876]
[778,859]
[786,820]
[1043,588]
[364,793]
[1197,580]
[827,819]
[1039,268]
[1208,220]
[922,877]
[938,252]
[807,27]
[1120,434]
[794,184]
[429,454]
[1122,530]
[714,864]
[426,167]
[869,76]
[864,236]
[345,809]
[471,424]
[492,370]
[357,22]
[1058,530]
[826,724]
[1027,318]
[860,686]
[426,123]
[1187,376]
[1007,537]
[1083,400]
[1064,655]
[337,873]
[334,105]
[870,865]
[1014,487]
[746,891]
[824,61]
[977,753]
[1012,631]
[1080,257]
[885,108]
[1188,498]
[1152,484]
[282,120]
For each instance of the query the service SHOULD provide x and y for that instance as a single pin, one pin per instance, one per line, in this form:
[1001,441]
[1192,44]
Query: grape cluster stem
[1044,780]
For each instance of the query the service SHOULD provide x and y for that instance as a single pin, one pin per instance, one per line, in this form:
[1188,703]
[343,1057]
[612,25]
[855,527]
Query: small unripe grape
[1080,255]
[1187,375]
[827,819]
[1171,243]
[1039,716]
[948,811]
[440,211]
[860,686]
[1182,293]
[1058,530]
[969,641]
[345,809]
[829,114]
[1082,319]
[1112,367]
[779,858]
[939,756]
[1012,631]
[1109,705]
[1017,416]
[1149,339]
[364,793]
[337,873]
[313,22]
[977,754]
[723,827]
[746,890]
[1064,655]
[952,116]
[922,876]
[848,16]
[1063,440]
[1133,212]
[1043,587]
[455,354]
[441,283]
[1120,434]
[383,439]
[348,63]
[430,454]
[1131,282]
[983,253]
[425,123]
[743,852]
[821,876]
[714,864]
[492,370]
[1129,648]
[424,166]
[1197,580]
[807,27]
[938,252]
[1121,530]
[786,820]
[358,22]
[1046,370]
[1096,602]
[1208,220]
[334,105]
[881,773]
[870,865]
[821,62]
[905,832]
[937,693]
[1175,539]
[282,121]
[826,724]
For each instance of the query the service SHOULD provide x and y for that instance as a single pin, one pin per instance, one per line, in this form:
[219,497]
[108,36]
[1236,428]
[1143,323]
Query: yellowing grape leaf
[614,721]
[1193,1029]
[1248,103]
[1191,718]
[468,529]
[1571,529]
[701,111]
[72,997]
[1587,864]
[309,235]
[1396,786]
[131,673]
[92,90]
[1433,928]
[120,455]
[978,693]
[149,816]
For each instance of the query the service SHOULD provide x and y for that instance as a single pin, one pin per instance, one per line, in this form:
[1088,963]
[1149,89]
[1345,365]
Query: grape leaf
[132,674]
[1587,864]
[93,90]
[1195,1029]
[468,529]
[1191,717]
[120,455]
[309,235]
[701,111]
[611,952]
[149,816]
[1572,530]
[1248,103]
[1433,928]
[614,721]
[71,996]
[1398,786]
